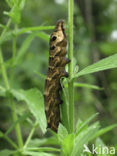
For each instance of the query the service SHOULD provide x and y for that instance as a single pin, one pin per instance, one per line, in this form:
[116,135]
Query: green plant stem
[70,69]
[10,141]
[30,135]
[3,70]
[5,78]
[14,114]
[13,56]
[17,127]
[31,29]
[14,44]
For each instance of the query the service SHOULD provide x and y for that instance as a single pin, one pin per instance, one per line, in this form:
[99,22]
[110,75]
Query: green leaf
[104,64]
[16,7]
[2,91]
[15,13]
[68,144]
[83,138]
[99,143]
[62,132]
[20,119]
[104,130]
[78,124]
[64,106]
[43,141]
[7,36]
[35,102]
[6,152]
[22,4]
[84,124]
[24,48]
[43,36]
[85,85]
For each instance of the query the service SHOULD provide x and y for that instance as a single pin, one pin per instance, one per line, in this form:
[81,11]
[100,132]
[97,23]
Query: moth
[56,71]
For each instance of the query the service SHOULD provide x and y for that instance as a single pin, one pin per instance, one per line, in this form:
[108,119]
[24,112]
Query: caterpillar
[56,70]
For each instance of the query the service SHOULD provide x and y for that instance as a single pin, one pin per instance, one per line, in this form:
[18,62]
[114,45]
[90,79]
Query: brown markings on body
[56,70]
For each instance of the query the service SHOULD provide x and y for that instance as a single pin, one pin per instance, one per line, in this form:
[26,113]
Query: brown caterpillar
[56,70]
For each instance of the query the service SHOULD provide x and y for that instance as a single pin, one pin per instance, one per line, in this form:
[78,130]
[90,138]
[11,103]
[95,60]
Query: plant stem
[5,78]
[10,141]
[14,114]
[30,135]
[13,56]
[3,70]
[17,127]
[70,55]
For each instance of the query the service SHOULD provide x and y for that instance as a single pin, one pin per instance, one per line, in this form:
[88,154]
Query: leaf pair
[15,12]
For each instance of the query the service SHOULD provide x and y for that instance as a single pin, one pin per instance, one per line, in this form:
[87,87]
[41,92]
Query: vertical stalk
[17,127]
[6,82]
[3,70]
[70,69]
[14,114]
[13,56]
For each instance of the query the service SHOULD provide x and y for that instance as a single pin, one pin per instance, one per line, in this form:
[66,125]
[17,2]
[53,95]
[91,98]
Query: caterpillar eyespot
[53,38]
[56,70]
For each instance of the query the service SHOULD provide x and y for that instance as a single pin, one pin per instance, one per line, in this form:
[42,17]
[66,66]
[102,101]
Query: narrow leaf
[83,138]
[85,85]
[104,130]
[62,132]
[22,118]
[24,47]
[104,64]
[43,141]
[43,36]
[83,124]
[99,143]
[64,107]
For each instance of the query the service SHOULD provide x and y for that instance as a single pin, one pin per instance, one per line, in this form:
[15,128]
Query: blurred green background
[95,37]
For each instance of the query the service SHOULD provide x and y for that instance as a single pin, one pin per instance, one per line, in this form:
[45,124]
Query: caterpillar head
[58,35]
